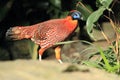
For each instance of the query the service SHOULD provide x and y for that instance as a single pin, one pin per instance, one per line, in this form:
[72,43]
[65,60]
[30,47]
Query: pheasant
[46,34]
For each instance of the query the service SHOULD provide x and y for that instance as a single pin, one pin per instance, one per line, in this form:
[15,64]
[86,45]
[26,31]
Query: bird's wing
[50,32]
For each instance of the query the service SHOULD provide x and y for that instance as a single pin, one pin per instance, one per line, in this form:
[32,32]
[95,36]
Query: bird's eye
[76,15]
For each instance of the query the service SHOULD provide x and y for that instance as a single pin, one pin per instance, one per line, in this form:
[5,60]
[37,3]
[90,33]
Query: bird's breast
[71,24]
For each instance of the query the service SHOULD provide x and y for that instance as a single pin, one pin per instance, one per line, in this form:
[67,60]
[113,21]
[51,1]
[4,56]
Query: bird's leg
[41,51]
[58,54]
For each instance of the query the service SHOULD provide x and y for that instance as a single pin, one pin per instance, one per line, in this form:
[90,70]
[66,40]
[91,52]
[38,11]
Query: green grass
[108,61]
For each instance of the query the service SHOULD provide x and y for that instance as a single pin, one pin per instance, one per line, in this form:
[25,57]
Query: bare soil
[49,70]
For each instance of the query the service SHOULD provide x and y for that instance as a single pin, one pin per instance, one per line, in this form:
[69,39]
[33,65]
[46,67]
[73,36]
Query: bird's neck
[71,24]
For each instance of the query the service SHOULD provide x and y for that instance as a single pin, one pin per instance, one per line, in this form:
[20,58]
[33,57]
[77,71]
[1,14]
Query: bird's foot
[60,61]
[40,58]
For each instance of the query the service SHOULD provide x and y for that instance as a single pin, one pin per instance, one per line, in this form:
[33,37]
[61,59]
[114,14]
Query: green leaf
[33,50]
[85,13]
[92,19]
[107,65]
[96,15]
[56,3]
[66,42]
[106,3]
[92,64]
[4,10]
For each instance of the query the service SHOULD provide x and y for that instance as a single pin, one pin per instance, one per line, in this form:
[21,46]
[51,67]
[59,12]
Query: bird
[47,33]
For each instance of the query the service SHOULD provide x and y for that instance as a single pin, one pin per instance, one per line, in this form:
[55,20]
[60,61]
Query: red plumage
[46,34]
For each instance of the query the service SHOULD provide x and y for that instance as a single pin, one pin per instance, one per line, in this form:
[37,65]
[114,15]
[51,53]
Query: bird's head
[76,15]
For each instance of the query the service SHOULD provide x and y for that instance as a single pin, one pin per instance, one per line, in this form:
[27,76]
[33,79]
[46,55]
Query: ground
[50,70]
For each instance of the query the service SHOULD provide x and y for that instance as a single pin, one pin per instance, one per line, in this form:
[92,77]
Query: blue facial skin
[76,15]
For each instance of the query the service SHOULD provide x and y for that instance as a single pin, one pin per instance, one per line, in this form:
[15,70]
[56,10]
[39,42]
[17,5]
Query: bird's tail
[18,33]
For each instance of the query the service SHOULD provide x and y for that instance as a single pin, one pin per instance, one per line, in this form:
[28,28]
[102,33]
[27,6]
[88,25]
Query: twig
[116,49]
[83,6]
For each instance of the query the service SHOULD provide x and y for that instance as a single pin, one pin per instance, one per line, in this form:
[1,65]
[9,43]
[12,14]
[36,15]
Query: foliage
[108,61]
[110,58]
[4,10]
[96,15]
[110,68]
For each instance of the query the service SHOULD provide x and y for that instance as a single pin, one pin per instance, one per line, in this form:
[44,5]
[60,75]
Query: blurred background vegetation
[28,12]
